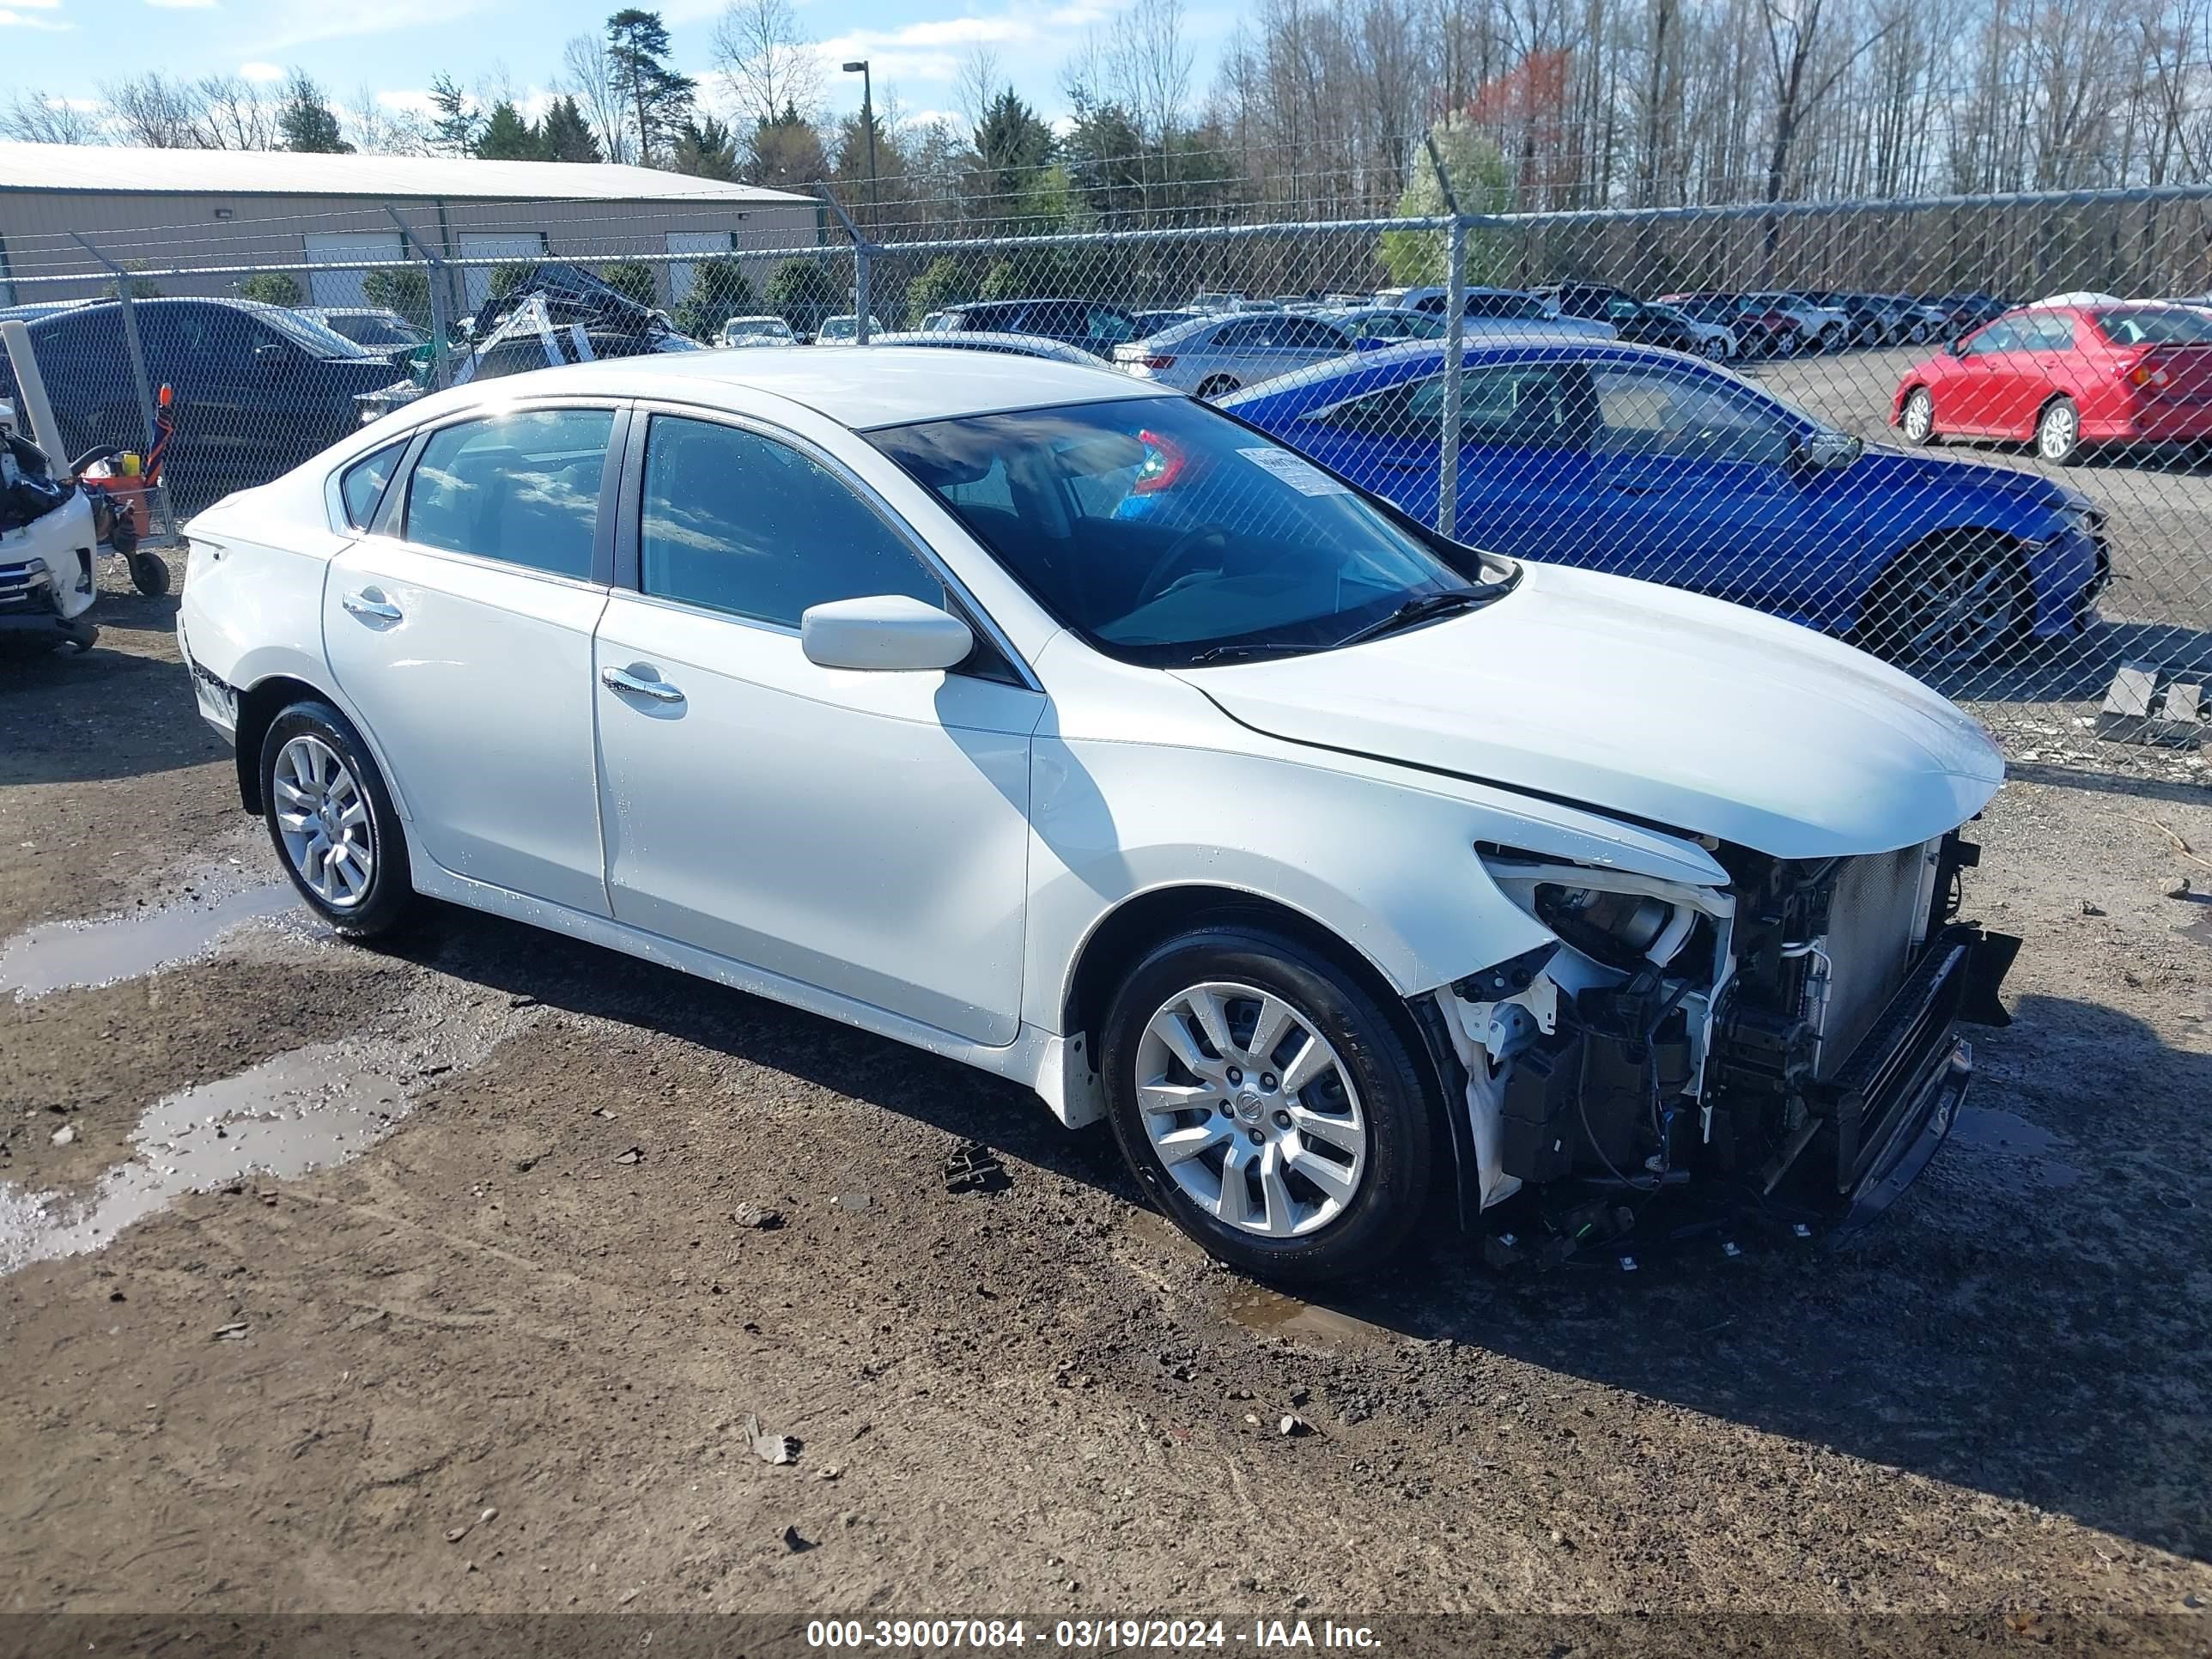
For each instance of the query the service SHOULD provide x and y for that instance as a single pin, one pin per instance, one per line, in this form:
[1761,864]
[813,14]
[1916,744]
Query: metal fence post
[863,251]
[137,353]
[1454,349]
[441,302]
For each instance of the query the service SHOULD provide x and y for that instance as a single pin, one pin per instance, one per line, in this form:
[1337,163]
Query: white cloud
[429,17]
[1027,41]
[262,73]
[409,100]
[183,5]
[17,20]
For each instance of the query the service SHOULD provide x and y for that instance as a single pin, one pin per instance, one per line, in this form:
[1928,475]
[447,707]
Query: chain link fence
[1971,433]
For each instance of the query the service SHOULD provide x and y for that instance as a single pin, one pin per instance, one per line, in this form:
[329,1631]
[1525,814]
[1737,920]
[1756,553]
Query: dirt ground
[501,1356]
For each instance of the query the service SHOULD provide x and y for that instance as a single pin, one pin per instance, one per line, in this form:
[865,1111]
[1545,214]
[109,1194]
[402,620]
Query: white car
[757,331]
[845,330]
[1021,713]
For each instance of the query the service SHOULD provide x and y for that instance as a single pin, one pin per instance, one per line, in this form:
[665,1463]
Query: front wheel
[2058,432]
[333,821]
[1716,349]
[1264,1099]
[1952,604]
[1917,422]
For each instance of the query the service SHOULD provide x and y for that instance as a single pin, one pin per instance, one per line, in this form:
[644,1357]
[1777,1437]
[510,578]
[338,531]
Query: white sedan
[1026,714]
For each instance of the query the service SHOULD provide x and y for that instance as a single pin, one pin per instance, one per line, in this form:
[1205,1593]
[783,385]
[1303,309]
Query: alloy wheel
[2059,432]
[1919,422]
[1956,611]
[323,820]
[1250,1110]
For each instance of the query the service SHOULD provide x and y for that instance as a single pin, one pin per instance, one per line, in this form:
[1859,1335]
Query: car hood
[1886,468]
[1646,703]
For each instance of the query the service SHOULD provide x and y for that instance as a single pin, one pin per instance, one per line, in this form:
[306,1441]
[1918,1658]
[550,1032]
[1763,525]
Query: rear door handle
[360,603]
[619,679]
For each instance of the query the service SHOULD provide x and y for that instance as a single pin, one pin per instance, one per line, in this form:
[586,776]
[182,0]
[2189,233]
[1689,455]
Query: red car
[2068,376]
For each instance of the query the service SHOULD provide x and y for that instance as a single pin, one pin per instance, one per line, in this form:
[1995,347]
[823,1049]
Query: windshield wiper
[1250,652]
[1428,605]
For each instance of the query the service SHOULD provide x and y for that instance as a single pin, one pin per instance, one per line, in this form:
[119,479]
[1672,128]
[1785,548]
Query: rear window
[2156,325]
[361,486]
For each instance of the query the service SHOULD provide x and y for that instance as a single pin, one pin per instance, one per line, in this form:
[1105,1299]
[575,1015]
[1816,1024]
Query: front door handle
[361,603]
[619,679]
[1627,487]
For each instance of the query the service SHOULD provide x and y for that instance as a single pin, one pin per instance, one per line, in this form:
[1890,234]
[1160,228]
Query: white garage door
[476,279]
[342,286]
[681,276]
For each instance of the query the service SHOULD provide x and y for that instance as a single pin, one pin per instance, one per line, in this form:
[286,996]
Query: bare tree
[587,75]
[767,61]
[157,110]
[234,115]
[373,129]
[976,84]
[32,116]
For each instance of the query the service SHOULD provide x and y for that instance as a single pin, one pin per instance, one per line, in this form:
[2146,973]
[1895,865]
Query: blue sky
[390,48]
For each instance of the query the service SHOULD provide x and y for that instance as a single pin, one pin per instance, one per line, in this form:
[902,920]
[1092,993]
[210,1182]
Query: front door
[462,635]
[1697,484]
[865,834]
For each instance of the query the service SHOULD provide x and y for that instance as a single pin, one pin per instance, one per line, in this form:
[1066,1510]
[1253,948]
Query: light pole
[860,67]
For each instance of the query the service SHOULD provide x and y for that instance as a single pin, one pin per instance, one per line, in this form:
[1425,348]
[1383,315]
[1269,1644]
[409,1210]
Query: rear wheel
[2058,432]
[149,574]
[1216,386]
[333,821]
[1716,349]
[1263,1097]
[1952,604]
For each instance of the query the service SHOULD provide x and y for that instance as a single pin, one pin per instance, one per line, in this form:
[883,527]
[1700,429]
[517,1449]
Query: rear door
[461,630]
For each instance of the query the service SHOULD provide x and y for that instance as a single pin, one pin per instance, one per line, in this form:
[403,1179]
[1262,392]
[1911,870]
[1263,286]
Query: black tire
[1713,348]
[1903,608]
[387,896]
[149,575]
[1911,426]
[1389,1184]
[1216,386]
[2059,433]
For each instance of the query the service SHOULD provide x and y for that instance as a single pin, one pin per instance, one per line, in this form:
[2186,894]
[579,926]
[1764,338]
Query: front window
[1167,534]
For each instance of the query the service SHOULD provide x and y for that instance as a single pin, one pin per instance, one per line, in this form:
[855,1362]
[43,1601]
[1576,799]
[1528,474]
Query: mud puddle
[297,1112]
[71,955]
[1270,1313]
[1989,1130]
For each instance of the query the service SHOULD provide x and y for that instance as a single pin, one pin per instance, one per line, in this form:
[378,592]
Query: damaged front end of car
[1785,1044]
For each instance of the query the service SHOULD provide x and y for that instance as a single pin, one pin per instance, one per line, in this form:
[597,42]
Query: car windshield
[1167,534]
[2156,325]
[366,328]
[317,339]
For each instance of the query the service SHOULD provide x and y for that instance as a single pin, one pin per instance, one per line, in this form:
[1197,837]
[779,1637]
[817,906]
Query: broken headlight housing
[1618,929]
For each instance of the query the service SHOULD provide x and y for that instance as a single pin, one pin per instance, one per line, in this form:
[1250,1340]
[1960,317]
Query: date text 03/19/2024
[1104,1634]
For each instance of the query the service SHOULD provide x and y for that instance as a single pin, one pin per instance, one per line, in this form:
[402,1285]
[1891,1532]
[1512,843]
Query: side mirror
[270,355]
[886,633]
[1825,452]
[1955,347]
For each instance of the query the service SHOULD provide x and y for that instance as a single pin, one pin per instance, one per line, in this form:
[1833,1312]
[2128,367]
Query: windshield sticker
[1302,475]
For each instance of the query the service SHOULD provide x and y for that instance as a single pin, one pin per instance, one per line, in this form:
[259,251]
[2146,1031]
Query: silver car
[1011,345]
[1216,355]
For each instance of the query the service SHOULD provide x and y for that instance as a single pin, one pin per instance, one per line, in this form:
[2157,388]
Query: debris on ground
[975,1168]
[634,1155]
[2179,888]
[65,1134]
[850,1201]
[454,1534]
[234,1331]
[794,1542]
[770,1448]
[758,1218]
[1292,1426]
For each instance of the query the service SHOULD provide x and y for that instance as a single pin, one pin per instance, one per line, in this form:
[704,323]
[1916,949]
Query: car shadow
[2033,1328]
[82,717]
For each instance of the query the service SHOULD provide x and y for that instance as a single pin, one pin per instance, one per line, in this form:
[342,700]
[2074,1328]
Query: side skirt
[1039,1059]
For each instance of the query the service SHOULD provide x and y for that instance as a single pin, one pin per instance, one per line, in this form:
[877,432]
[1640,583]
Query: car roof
[984,340]
[1490,344]
[862,388]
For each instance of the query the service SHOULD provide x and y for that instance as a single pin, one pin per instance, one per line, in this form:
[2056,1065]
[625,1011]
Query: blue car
[1651,463]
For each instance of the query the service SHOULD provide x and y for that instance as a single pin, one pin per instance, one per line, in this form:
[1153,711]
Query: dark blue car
[1651,463]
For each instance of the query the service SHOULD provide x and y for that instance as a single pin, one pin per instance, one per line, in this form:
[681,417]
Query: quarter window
[737,522]
[521,488]
[361,485]
[1683,417]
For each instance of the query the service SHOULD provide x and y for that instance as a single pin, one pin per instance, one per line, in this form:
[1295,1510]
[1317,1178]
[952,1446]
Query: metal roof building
[225,213]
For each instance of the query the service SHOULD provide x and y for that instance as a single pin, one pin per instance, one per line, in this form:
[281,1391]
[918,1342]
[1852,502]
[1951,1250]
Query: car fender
[1382,857]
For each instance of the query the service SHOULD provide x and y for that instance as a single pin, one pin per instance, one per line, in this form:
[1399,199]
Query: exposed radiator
[1872,915]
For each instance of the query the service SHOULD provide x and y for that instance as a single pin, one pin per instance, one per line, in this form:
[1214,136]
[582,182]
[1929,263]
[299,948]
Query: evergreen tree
[1012,147]
[946,282]
[304,121]
[632,279]
[706,148]
[719,292]
[657,97]
[786,153]
[801,293]
[566,135]
[271,288]
[453,123]
[406,291]
[507,137]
